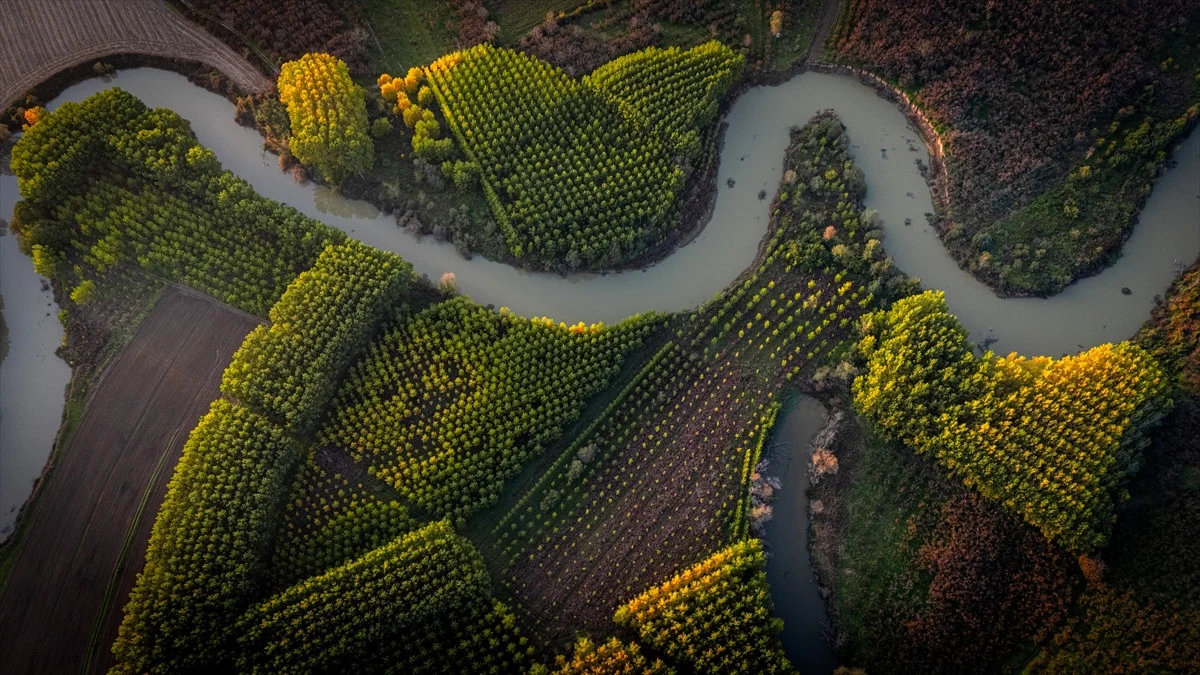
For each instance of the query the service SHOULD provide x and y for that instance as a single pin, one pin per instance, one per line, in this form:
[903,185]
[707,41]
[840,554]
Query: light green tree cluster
[713,617]
[1050,439]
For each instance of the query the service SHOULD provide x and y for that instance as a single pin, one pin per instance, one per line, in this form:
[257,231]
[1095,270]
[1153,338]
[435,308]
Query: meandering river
[1090,312]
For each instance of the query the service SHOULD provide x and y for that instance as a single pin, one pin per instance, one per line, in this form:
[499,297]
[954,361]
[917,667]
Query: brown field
[126,445]
[659,500]
[39,38]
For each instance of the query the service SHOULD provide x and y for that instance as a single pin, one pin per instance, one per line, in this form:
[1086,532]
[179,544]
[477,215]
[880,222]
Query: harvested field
[39,38]
[101,498]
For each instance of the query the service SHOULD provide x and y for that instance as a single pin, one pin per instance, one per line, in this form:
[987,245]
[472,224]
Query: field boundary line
[110,591]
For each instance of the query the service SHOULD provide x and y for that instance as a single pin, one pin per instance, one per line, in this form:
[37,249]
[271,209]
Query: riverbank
[749,156]
[808,635]
[142,406]
[1089,313]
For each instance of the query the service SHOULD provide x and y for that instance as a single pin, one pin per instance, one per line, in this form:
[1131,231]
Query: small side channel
[793,583]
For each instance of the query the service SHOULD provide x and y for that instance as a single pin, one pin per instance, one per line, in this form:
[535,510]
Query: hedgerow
[335,621]
[207,555]
[289,369]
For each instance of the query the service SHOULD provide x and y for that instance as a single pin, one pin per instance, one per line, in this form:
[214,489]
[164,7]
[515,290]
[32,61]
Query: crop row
[450,403]
[674,93]
[290,369]
[331,522]
[713,617]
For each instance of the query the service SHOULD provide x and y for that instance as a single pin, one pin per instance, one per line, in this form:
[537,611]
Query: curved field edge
[1072,219]
[40,39]
[85,519]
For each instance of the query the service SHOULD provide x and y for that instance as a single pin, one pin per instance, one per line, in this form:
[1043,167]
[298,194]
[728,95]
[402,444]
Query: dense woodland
[328,517]
[1055,118]
[399,480]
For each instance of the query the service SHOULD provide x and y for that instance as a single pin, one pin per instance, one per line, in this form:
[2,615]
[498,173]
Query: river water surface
[33,379]
[1090,312]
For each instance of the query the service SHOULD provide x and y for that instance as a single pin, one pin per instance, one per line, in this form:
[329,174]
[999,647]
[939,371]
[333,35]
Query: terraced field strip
[39,38]
[162,383]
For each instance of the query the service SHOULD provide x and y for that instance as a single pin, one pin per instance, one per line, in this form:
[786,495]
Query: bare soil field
[114,469]
[39,38]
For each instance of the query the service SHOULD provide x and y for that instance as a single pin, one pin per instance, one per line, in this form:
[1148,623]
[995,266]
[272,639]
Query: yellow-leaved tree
[328,115]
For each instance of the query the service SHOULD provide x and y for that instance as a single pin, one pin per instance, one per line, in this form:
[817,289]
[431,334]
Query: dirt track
[144,406]
[38,38]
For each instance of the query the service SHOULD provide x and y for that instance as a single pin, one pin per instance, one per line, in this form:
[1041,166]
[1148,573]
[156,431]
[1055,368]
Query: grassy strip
[565,458]
[408,33]
[110,592]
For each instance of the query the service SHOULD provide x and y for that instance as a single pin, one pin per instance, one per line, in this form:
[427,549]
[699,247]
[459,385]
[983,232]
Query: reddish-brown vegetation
[579,51]
[1018,84]
[1118,632]
[1172,334]
[288,29]
[996,582]
[136,422]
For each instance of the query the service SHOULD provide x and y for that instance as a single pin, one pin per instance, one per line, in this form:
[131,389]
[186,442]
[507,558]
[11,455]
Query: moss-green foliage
[1172,334]
[674,93]
[572,181]
[367,522]
[409,32]
[713,617]
[450,403]
[207,554]
[328,116]
[1078,225]
[338,621]
[289,369]
[921,370]
[1049,439]
[114,184]
[613,657]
